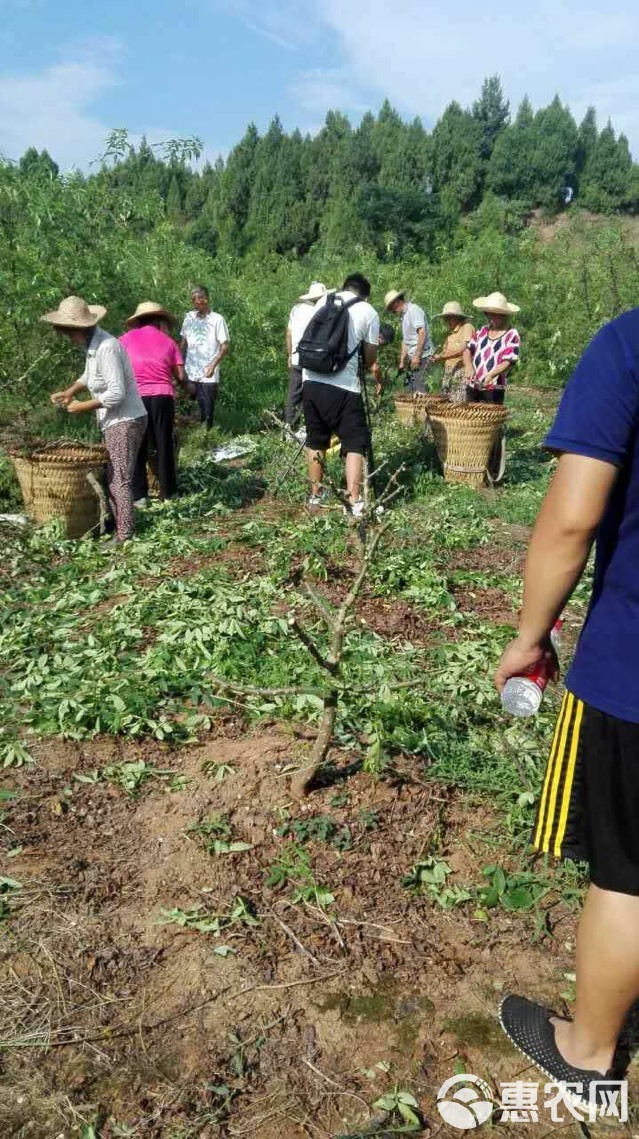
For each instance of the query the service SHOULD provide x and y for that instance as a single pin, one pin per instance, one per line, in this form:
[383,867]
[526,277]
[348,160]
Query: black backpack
[324,345]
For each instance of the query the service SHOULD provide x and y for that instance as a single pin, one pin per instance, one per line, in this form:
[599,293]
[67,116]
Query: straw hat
[496,302]
[315,292]
[391,297]
[74,312]
[150,308]
[452,308]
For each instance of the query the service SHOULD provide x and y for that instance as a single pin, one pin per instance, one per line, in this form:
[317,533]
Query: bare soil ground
[109,1012]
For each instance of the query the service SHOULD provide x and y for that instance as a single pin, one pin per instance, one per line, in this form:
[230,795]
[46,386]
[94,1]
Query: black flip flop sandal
[528,1026]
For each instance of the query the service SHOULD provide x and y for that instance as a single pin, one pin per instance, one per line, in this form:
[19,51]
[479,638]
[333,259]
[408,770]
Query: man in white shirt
[417,345]
[205,343]
[298,320]
[333,403]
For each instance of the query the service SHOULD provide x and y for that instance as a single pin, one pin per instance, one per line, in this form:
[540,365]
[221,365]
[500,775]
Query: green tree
[554,156]
[456,158]
[38,163]
[607,174]
[509,173]
[492,114]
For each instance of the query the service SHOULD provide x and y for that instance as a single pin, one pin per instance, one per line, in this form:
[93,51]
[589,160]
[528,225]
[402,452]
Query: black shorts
[330,411]
[589,806]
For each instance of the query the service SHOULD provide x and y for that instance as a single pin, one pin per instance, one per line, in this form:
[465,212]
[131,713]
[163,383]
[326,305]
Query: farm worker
[157,366]
[333,403]
[492,350]
[205,342]
[417,347]
[298,319]
[589,804]
[451,354]
[121,415]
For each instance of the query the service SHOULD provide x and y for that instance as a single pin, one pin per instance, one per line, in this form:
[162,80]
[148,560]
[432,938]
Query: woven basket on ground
[412,407]
[464,436]
[63,480]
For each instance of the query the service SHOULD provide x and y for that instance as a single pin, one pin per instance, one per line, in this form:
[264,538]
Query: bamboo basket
[54,481]
[426,402]
[465,435]
[413,407]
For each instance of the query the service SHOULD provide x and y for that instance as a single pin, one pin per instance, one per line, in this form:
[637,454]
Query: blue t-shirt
[599,417]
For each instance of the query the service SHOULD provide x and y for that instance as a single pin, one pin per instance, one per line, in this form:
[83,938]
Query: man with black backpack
[342,335]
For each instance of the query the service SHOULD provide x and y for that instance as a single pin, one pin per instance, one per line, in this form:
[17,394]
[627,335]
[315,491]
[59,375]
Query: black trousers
[158,438]
[485,395]
[206,395]
[294,404]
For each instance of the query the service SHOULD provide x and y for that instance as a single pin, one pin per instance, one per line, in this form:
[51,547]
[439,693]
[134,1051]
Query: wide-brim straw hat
[150,308]
[496,302]
[391,297]
[74,312]
[452,308]
[315,292]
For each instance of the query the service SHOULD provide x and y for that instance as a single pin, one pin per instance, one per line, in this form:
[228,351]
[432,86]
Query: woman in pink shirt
[157,366]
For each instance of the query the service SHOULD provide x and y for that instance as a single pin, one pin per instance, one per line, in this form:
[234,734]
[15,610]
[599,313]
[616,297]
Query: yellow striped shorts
[589,804]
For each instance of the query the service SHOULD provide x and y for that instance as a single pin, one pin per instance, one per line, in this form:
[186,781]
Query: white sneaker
[300,436]
[320,499]
[358,508]
[141,502]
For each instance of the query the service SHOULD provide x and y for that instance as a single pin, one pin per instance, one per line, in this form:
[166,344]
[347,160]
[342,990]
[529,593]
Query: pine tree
[606,179]
[492,114]
[554,157]
[509,173]
[456,158]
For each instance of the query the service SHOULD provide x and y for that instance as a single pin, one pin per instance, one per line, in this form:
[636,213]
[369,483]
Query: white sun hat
[150,308]
[496,302]
[452,308]
[74,312]
[315,292]
[391,297]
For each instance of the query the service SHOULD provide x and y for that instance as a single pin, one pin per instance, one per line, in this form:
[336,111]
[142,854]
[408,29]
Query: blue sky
[69,71]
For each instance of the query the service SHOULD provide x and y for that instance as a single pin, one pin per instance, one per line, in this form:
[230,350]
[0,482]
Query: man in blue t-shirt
[589,805]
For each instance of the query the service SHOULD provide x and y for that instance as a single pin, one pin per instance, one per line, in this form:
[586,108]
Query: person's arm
[469,367]
[217,360]
[594,432]
[416,358]
[79,406]
[179,374]
[498,371]
[557,555]
[289,346]
[63,399]
[369,356]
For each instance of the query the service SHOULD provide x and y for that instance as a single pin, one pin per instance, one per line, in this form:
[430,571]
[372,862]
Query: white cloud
[52,109]
[288,23]
[424,55]
[318,90]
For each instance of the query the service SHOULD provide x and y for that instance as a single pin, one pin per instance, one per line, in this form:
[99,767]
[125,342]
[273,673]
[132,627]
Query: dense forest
[444,215]
[384,185]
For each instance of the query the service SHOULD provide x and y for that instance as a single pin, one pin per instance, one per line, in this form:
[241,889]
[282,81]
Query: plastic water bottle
[522,695]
